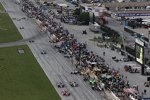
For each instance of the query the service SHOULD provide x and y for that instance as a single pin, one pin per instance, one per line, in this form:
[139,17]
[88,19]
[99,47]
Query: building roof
[92,5]
[126,4]
[62,5]
[46,0]
[134,11]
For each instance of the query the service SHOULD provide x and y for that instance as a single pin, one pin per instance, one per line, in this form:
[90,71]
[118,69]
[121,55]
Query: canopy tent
[92,63]
[130,90]
[38,22]
[53,38]
[132,98]
[93,76]
[102,85]
[114,97]
[96,69]
[106,76]
[62,5]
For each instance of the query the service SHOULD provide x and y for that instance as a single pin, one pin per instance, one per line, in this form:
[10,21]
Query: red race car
[65,93]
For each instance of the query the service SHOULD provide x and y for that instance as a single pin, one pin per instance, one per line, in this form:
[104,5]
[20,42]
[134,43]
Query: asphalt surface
[115,25]
[55,66]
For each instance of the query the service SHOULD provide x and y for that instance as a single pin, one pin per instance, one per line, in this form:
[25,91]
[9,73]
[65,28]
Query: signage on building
[139,50]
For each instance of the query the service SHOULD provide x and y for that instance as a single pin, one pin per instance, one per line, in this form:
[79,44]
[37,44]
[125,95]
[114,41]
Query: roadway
[55,66]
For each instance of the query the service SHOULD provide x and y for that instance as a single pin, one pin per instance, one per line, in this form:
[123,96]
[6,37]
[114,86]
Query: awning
[130,90]
[62,5]
[106,76]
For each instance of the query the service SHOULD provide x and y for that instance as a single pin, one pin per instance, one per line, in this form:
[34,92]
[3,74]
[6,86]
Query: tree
[84,17]
[77,12]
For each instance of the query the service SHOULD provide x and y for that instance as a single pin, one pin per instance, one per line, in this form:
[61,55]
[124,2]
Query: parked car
[125,59]
[75,72]
[97,88]
[86,78]
[132,68]
[147,84]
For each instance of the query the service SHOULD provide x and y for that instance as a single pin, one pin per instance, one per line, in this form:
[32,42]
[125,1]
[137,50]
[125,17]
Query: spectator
[145,91]
[103,53]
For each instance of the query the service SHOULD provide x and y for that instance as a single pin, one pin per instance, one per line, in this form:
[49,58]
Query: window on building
[135,7]
[127,7]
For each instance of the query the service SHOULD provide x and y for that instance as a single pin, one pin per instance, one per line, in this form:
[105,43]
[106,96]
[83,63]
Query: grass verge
[8,31]
[21,77]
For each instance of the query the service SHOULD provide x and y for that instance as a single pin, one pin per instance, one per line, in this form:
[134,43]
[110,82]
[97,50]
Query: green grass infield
[22,78]
[8,31]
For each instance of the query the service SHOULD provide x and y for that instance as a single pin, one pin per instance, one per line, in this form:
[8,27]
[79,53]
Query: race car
[75,72]
[85,78]
[73,84]
[31,41]
[97,88]
[60,85]
[43,52]
[21,27]
[65,93]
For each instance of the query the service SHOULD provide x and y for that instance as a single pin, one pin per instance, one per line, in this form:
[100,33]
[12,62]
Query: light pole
[123,42]
[68,9]
[80,53]
[149,35]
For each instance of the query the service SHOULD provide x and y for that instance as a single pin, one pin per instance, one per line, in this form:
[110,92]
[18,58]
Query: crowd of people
[92,67]
[44,20]
[95,69]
